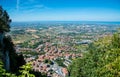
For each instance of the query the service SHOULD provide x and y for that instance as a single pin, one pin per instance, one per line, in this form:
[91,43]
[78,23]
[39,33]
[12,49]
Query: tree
[4,27]
[101,60]
[6,45]
[11,60]
[25,71]
[116,40]
[4,21]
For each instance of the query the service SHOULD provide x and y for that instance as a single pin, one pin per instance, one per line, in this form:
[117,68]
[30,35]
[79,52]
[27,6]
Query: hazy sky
[60,10]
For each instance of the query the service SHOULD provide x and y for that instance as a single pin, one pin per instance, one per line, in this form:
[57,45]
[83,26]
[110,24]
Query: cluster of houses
[52,53]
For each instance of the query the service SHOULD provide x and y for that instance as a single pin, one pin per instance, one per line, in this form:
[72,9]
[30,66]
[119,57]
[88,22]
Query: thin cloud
[17,4]
[35,7]
[32,7]
[40,6]
[31,4]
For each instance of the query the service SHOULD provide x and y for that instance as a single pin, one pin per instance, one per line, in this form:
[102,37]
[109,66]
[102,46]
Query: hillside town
[52,47]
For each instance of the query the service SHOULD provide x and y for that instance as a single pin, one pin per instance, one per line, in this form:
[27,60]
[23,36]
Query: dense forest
[101,60]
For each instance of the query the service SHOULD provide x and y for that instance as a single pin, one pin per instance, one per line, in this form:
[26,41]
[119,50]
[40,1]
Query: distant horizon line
[64,21]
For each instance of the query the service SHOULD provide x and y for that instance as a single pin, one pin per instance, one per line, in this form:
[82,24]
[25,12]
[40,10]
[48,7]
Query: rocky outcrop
[4,52]
[7,60]
[11,60]
[4,27]
[1,40]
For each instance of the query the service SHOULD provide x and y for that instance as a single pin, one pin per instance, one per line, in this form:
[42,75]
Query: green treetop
[4,21]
